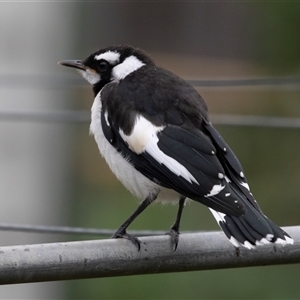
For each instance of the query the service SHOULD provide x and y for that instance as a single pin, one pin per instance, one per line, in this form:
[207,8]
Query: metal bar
[107,258]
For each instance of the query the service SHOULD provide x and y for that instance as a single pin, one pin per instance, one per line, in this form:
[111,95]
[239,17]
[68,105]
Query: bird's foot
[122,234]
[174,233]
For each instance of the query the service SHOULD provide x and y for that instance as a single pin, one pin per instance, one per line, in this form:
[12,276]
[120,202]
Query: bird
[152,127]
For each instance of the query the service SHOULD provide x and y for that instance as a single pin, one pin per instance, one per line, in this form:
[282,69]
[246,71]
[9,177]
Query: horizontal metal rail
[119,257]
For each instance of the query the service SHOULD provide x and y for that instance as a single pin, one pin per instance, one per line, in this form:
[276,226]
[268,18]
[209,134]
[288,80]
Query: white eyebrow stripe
[111,56]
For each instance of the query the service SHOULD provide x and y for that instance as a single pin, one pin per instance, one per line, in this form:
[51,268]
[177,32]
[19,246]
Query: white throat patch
[130,64]
[90,75]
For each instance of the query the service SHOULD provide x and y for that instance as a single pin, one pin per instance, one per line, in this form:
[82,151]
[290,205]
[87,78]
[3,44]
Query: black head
[109,64]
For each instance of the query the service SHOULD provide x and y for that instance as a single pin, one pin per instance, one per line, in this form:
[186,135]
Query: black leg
[121,231]
[174,231]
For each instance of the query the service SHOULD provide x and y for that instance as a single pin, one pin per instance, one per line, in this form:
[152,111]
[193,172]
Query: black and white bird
[153,130]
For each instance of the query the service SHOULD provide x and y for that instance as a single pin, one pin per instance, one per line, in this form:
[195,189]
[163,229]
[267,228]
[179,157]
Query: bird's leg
[121,231]
[174,231]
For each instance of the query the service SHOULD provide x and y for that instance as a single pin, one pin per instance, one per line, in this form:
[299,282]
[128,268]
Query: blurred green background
[202,40]
[196,40]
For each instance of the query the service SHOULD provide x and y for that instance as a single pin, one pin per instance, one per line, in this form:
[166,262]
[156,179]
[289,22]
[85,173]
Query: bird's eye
[103,66]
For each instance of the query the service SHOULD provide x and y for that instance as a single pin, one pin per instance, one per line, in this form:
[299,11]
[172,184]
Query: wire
[58,81]
[72,230]
[249,82]
[66,116]
[84,117]
[256,121]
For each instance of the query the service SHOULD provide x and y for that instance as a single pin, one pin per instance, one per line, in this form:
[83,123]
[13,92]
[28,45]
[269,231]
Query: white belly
[134,181]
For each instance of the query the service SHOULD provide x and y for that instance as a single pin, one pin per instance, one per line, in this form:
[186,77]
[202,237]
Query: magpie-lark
[153,130]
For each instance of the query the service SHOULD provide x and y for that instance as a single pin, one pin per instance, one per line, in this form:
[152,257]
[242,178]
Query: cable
[66,116]
[41,81]
[84,117]
[256,121]
[81,117]
[72,230]
[249,82]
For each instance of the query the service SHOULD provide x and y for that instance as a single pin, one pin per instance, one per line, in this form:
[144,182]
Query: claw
[237,251]
[174,236]
[130,237]
[174,231]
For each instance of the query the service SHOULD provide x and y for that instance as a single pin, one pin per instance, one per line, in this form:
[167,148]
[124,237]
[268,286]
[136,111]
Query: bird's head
[109,64]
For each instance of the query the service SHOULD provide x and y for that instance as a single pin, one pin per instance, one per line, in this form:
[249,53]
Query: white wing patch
[112,57]
[244,184]
[133,180]
[106,119]
[227,179]
[130,64]
[143,133]
[216,189]
[144,139]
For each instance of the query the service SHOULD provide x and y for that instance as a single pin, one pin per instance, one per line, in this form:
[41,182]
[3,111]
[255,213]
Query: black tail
[252,229]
